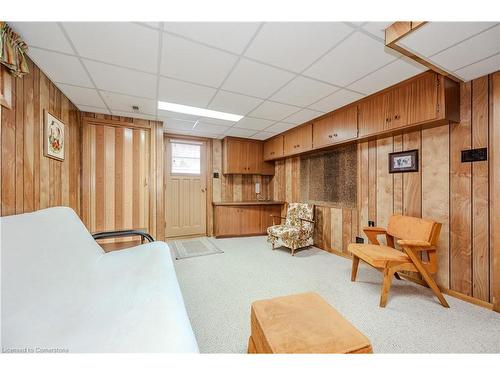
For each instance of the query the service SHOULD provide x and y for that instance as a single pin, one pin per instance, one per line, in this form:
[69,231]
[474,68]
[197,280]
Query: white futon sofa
[60,291]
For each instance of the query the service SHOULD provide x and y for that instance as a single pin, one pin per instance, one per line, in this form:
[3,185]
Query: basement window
[186,158]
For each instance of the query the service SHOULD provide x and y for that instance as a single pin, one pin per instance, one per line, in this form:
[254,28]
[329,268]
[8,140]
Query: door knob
[203,190]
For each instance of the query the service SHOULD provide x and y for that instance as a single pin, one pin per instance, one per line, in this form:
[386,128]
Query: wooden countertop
[247,203]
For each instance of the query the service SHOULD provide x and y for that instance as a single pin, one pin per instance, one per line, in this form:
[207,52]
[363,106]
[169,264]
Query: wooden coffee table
[302,323]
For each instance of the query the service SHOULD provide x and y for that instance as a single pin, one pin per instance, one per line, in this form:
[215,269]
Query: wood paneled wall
[28,180]
[122,160]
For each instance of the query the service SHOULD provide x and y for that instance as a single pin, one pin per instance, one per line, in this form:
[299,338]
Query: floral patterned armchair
[298,228]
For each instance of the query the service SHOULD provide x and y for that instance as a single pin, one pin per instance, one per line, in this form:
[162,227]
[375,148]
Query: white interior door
[185,188]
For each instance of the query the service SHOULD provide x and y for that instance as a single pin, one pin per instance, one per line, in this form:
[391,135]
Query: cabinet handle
[335,135]
[397,117]
[329,136]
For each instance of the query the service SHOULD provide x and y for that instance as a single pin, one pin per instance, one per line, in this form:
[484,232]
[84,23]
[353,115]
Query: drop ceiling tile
[351,60]
[391,74]
[303,91]
[179,92]
[210,128]
[141,116]
[156,25]
[88,108]
[302,116]
[280,127]
[82,95]
[256,79]
[262,135]
[436,36]
[231,36]
[480,68]
[43,34]
[178,116]
[472,50]
[377,28]
[119,102]
[236,132]
[336,100]
[60,68]
[122,80]
[177,124]
[253,123]
[273,111]
[234,103]
[193,62]
[295,45]
[216,121]
[121,43]
[199,133]
[177,132]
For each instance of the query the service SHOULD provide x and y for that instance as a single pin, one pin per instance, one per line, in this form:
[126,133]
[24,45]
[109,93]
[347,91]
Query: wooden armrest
[123,233]
[374,229]
[416,243]
[310,221]
[279,217]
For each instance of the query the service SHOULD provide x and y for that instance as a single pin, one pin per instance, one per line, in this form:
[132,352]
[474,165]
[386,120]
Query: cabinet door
[290,142]
[424,99]
[254,158]
[273,148]
[323,131]
[227,220]
[345,124]
[304,138]
[236,156]
[401,106]
[250,220]
[267,212]
[373,114]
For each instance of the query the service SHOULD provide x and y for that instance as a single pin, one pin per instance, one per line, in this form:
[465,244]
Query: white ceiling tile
[141,116]
[81,95]
[377,28]
[210,128]
[472,50]
[156,25]
[273,111]
[176,115]
[236,132]
[43,34]
[199,133]
[193,62]
[295,45]
[122,80]
[303,91]
[256,79]
[60,68]
[177,132]
[436,36]
[389,75]
[179,92]
[352,59]
[253,123]
[88,108]
[280,127]
[120,102]
[262,135]
[480,68]
[216,121]
[234,103]
[231,36]
[177,124]
[302,116]
[122,43]
[336,100]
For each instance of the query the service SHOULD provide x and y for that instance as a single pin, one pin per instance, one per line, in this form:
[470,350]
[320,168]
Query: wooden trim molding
[494,151]
[399,30]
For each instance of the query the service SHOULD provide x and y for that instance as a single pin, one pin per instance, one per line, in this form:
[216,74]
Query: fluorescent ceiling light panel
[202,112]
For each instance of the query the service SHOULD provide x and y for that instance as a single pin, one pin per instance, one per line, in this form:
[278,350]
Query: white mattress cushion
[60,290]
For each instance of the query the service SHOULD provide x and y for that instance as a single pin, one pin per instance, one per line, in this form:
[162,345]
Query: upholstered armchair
[297,231]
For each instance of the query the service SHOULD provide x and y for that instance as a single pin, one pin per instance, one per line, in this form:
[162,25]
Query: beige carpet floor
[218,290]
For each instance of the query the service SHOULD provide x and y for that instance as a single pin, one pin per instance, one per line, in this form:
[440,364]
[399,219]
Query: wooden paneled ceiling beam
[399,30]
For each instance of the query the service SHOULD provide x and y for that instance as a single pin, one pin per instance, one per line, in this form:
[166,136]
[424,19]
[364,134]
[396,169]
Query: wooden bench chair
[414,236]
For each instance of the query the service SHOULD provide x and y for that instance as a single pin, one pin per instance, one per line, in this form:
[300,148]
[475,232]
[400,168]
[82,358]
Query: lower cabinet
[233,220]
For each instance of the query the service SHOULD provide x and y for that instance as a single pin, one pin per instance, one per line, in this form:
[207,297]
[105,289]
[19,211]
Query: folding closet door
[116,177]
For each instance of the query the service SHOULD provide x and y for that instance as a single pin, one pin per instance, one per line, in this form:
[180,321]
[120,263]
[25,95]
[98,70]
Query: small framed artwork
[54,137]
[405,161]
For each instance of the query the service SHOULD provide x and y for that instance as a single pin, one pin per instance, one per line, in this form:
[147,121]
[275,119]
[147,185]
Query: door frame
[208,179]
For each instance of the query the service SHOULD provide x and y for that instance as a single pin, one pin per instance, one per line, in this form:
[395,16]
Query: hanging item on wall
[404,161]
[53,137]
[13,51]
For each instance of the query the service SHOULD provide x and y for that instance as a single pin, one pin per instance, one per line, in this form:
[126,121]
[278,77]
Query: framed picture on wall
[54,137]
[404,161]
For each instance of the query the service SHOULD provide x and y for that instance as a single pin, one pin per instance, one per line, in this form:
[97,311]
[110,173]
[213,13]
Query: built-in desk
[249,218]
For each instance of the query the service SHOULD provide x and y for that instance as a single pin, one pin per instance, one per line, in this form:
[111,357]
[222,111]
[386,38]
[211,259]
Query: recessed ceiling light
[198,111]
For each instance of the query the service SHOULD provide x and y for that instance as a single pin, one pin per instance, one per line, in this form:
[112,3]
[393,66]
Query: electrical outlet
[371,223]
[360,240]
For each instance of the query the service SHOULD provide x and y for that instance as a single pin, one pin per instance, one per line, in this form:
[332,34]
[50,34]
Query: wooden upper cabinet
[340,126]
[373,114]
[298,140]
[244,157]
[424,104]
[400,111]
[273,148]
